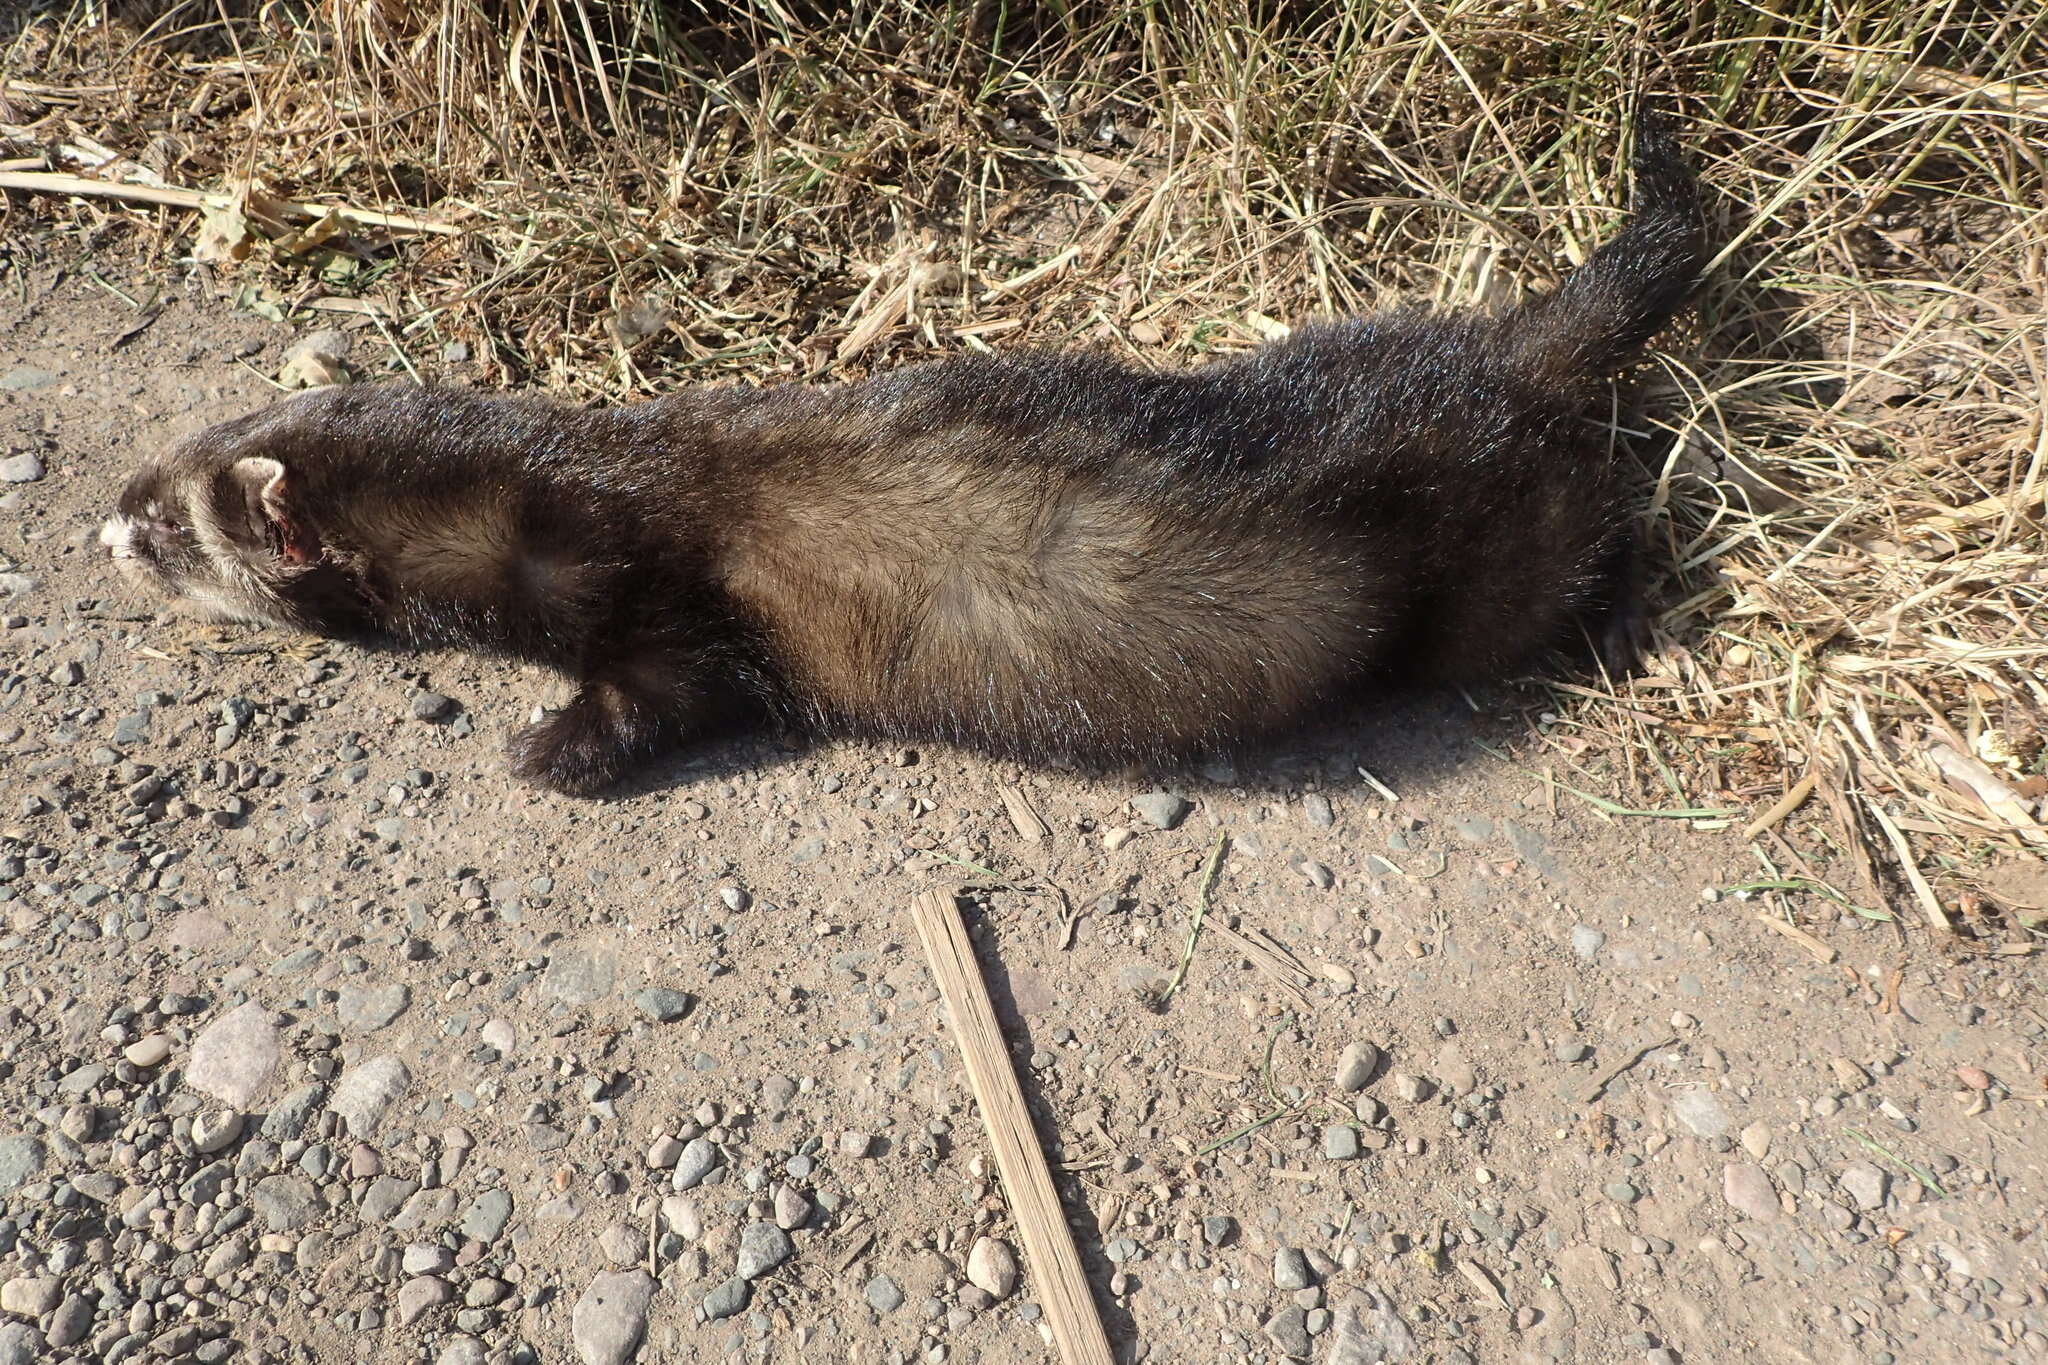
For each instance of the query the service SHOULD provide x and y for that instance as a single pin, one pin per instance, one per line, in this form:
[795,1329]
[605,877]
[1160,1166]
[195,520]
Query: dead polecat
[1032,554]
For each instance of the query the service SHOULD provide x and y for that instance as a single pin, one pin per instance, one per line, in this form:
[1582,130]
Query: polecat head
[219,526]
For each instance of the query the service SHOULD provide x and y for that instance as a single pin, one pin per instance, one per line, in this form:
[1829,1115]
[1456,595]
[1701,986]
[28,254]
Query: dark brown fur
[1033,554]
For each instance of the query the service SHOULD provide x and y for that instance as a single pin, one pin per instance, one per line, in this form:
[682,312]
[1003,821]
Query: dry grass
[1847,447]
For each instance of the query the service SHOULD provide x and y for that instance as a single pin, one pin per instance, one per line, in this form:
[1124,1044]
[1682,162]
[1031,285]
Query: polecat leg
[638,702]
[592,743]
[1625,625]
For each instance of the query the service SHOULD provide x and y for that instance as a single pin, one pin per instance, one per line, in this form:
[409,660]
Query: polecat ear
[267,501]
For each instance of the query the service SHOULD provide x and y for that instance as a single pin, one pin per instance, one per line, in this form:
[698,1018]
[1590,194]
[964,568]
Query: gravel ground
[322,1042]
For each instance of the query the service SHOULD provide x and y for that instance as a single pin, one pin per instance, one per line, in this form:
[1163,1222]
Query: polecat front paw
[575,751]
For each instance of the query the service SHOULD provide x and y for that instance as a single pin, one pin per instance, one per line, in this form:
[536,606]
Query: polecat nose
[118,535]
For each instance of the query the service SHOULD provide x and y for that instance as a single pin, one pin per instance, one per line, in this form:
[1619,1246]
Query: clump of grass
[1846,452]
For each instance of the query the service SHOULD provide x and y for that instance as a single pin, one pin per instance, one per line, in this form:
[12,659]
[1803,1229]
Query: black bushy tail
[1607,310]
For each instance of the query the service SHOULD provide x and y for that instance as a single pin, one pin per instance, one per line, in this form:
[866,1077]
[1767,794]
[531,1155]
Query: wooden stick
[1922,892]
[1049,1247]
[58,182]
[1784,806]
[1799,936]
[1031,826]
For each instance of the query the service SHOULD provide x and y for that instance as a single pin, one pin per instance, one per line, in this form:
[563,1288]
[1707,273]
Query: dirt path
[322,1042]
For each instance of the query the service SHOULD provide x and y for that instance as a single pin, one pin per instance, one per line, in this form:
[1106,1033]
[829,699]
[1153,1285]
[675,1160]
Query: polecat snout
[1032,554]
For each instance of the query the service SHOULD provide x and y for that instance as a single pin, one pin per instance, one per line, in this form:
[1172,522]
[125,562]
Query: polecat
[1032,554]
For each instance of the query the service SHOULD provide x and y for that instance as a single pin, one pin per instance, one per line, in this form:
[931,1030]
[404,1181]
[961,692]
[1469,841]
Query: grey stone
[682,1217]
[233,1056]
[1355,1065]
[31,1296]
[26,467]
[214,1129]
[1587,941]
[1866,1184]
[428,1208]
[882,1294]
[386,1195]
[25,377]
[98,1186]
[138,1213]
[1162,810]
[424,1258]
[1290,1269]
[1748,1191]
[21,1344]
[460,1350]
[416,1297]
[485,1291]
[431,706]
[205,1184]
[1340,1142]
[727,1299]
[622,1244]
[763,1246]
[486,1218]
[226,1259]
[579,976]
[21,1157]
[661,1004]
[369,1008]
[699,1159]
[1218,1229]
[367,1090]
[285,1202]
[287,1118]
[1413,1089]
[1316,808]
[1702,1112]
[300,960]
[70,1323]
[608,1321]
[1288,1331]
[1369,1330]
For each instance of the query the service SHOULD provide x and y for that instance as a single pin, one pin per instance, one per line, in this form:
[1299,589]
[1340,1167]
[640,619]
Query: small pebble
[1290,1269]
[148,1052]
[1355,1065]
[662,1005]
[882,1294]
[1162,810]
[992,1267]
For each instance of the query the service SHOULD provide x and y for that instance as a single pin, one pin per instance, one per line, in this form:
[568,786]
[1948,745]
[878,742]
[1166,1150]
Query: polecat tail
[1607,310]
